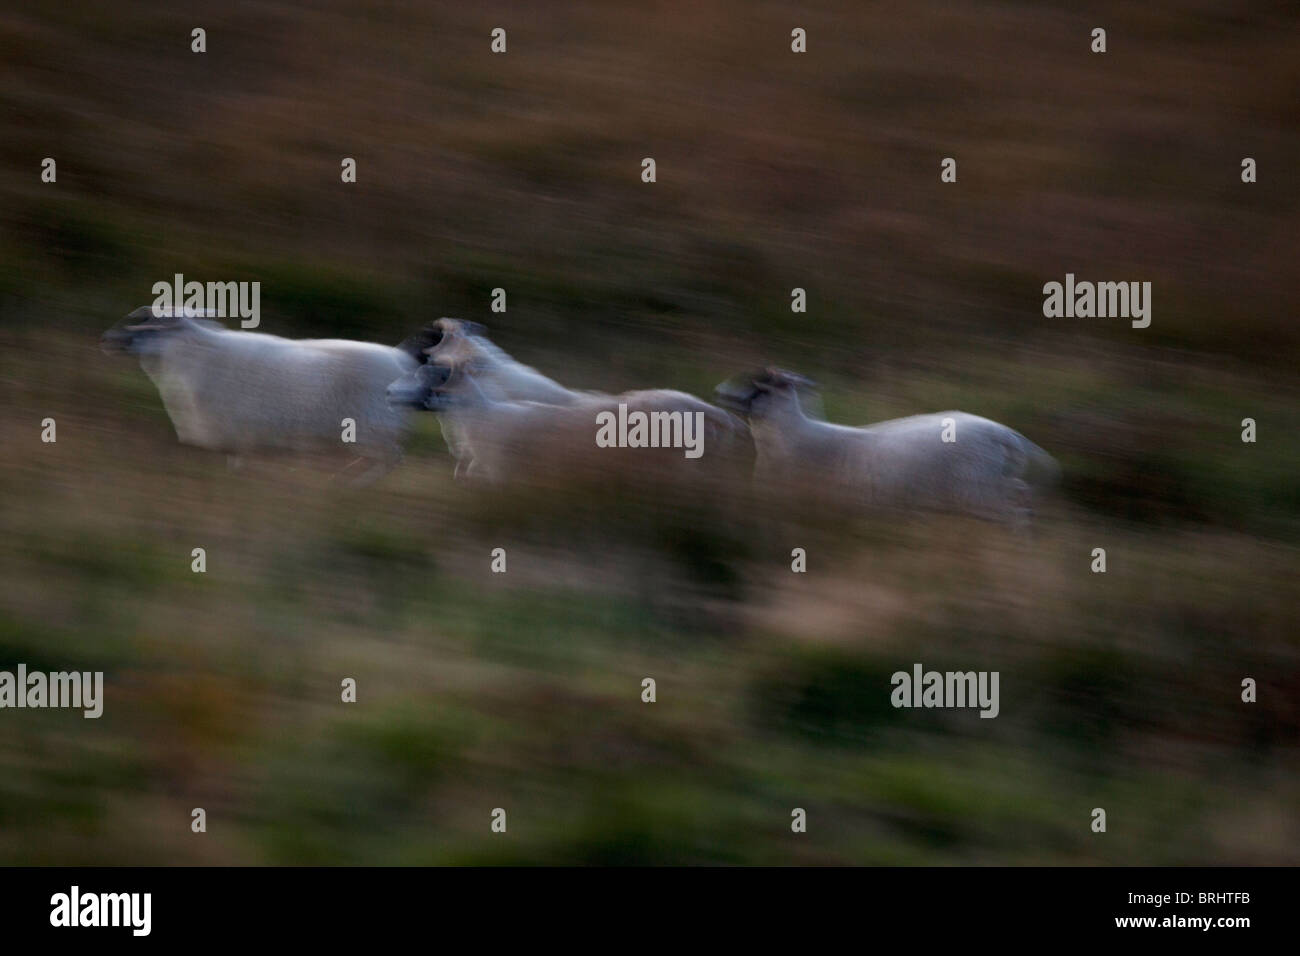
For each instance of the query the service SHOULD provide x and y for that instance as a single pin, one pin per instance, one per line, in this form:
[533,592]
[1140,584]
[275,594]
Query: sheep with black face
[948,461]
[463,345]
[507,441]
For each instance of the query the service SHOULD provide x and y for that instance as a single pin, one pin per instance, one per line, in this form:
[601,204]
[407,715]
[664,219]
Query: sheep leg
[1004,501]
[378,468]
[1020,506]
[477,473]
[382,461]
[339,475]
[471,472]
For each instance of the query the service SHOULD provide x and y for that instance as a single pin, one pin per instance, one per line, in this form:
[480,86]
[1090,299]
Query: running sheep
[247,392]
[464,345]
[947,461]
[538,444]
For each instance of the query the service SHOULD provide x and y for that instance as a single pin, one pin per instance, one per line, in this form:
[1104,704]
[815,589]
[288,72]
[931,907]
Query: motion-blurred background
[775,171]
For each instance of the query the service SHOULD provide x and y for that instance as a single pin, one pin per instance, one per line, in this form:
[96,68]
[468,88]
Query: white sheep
[524,442]
[499,377]
[247,392]
[948,461]
[464,344]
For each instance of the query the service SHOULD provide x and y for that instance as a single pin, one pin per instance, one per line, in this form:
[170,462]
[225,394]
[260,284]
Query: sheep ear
[156,317]
[464,326]
[147,318]
[176,313]
[736,393]
[782,376]
[421,343]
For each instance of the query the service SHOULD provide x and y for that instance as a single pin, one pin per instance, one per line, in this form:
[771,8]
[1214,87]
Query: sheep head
[418,345]
[414,389]
[751,393]
[140,332]
[457,343]
[453,386]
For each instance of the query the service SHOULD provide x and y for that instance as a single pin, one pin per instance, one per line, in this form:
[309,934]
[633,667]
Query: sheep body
[905,462]
[526,442]
[516,442]
[985,469]
[496,372]
[245,392]
[501,378]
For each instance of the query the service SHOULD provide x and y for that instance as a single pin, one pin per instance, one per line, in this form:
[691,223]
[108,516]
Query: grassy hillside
[775,170]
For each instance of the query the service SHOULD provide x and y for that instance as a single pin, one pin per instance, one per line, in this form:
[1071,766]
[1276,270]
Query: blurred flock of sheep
[775,171]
